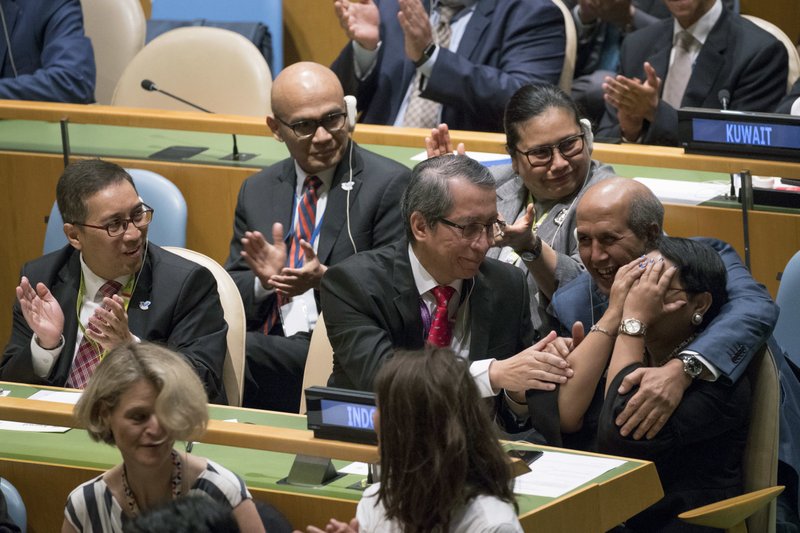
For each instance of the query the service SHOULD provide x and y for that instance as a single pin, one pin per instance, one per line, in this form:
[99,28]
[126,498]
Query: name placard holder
[739,133]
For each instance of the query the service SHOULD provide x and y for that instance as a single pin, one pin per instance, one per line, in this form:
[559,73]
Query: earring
[697,318]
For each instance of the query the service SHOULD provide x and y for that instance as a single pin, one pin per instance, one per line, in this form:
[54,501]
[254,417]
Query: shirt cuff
[480,373]
[712,370]
[42,359]
[520,410]
[365,60]
[260,292]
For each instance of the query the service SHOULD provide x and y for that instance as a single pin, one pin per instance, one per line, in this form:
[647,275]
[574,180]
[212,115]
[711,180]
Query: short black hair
[83,179]
[530,101]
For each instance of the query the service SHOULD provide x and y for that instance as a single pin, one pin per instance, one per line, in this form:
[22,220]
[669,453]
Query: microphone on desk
[724,97]
[149,85]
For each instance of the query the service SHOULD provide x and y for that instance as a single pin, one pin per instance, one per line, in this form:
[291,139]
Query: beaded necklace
[175,483]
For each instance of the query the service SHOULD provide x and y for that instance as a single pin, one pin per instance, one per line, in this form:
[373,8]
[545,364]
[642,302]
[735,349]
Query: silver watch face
[692,366]
[631,326]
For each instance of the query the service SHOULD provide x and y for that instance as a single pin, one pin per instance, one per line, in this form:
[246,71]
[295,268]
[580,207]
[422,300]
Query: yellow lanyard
[125,294]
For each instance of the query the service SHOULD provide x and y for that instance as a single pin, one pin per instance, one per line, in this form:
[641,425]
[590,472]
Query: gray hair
[645,213]
[429,193]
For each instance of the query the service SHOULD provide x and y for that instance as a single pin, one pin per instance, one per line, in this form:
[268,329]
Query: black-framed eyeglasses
[308,127]
[473,230]
[140,218]
[541,156]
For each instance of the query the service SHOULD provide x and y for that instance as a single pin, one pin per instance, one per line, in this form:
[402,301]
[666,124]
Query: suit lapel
[708,65]
[406,300]
[138,313]
[281,200]
[475,27]
[66,293]
[10,9]
[479,304]
[335,215]
[659,58]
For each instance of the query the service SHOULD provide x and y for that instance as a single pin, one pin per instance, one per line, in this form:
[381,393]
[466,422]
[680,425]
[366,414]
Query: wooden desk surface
[257,450]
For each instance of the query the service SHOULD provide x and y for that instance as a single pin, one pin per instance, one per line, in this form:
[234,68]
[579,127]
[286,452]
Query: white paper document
[555,473]
[685,192]
[56,396]
[24,426]
[359,469]
[487,158]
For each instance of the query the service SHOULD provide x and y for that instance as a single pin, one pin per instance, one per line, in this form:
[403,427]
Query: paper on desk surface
[56,396]
[556,473]
[685,192]
[49,396]
[487,158]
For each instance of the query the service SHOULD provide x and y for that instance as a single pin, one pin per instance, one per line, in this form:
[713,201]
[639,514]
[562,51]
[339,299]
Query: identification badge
[300,314]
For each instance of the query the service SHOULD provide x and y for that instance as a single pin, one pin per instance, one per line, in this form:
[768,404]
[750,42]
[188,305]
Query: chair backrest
[319,363]
[786,330]
[794,56]
[571,50]
[217,69]
[117,30]
[269,12]
[14,504]
[760,463]
[169,220]
[232,306]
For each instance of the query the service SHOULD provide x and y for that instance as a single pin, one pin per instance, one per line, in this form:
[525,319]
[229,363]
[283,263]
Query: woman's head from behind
[143,388]
[538,117]
[700,279]
[438,445]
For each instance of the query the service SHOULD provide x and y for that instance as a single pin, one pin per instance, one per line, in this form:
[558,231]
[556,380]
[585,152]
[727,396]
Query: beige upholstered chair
[760,463]
[571,51]
[319,363]
[217,69]
[794,56]
[117,29]
[233,370]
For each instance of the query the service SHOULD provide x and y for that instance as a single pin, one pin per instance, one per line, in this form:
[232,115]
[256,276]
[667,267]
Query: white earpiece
[586,126]
[352,112]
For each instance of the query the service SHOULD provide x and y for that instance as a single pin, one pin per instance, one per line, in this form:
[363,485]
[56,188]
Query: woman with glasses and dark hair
[141,399]
[551,165]
[667,298]
[442,467]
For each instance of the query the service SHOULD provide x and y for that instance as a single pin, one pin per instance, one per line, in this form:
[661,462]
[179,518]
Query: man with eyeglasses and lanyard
[437,286]
[108,287]
[327,201]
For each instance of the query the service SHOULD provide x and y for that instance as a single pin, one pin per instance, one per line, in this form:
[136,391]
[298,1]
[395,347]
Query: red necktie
[306,222]
[441,329]
[88,355]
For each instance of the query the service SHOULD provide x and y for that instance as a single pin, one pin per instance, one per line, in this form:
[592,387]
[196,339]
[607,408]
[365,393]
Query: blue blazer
[54,59]
[506,44]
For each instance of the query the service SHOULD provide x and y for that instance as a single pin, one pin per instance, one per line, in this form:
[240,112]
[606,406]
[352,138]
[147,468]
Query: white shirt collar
[326,177]
[702,27]
[92,282]
[423,279]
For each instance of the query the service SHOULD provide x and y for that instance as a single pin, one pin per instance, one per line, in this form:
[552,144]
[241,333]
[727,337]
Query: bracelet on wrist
[602,330]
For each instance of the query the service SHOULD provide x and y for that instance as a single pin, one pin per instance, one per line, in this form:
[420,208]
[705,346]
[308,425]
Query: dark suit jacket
[371,307]
[266,198]
[184,314]
[506,44]
[54,58]
[786,104]
[698,453]
[738,56]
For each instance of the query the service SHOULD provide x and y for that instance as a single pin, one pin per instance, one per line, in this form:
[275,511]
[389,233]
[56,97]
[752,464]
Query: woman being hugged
[142,398]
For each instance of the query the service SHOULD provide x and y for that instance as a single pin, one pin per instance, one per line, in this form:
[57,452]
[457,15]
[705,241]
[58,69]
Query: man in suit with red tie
[109,286]
[327,201]
[437,286]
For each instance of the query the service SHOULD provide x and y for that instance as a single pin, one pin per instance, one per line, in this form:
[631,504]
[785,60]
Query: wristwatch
[532,255]
[633,327]
[426,55]
[691,365]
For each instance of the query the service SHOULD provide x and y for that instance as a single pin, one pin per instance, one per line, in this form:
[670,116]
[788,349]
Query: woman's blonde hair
[180,402]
